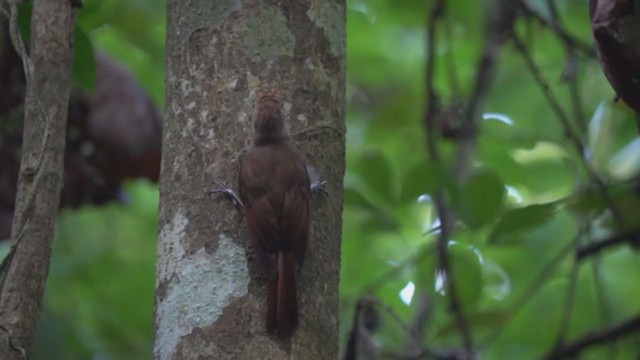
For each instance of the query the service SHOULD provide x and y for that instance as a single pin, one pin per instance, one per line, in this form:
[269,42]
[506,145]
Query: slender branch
[570,76]
[373,285]
[568,302]
[567,38]
[548,94]
[529,293]
[417,255]
[604,299]
[596,337]
[452,73]
[351,352]
[570,71]
[372,301]
[425,353]
[574,138]
[423,301]
[444,213]
[495,34]
[432,98]
[598,246]
[440,354]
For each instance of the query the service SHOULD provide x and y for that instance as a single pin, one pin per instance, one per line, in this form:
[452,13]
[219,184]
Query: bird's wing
[294,222]
[262,221]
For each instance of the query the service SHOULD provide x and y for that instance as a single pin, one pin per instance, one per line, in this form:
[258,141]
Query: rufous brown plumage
[275,189]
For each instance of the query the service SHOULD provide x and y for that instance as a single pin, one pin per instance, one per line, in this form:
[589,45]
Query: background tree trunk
[40,178]
[210,292]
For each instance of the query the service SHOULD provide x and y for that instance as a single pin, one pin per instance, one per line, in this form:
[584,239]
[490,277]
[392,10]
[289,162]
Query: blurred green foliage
[520,213]
[99,295]
[525,204]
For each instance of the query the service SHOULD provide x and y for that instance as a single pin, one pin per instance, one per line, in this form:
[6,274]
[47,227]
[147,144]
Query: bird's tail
[282,298]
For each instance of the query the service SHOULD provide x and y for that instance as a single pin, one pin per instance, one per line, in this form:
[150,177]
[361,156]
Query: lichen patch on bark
[275,37]
[322,14]
[209,13]
[198,287]
[170,246]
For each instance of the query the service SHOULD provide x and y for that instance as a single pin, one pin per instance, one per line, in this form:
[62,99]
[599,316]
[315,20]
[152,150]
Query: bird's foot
[228,192]
[319,187]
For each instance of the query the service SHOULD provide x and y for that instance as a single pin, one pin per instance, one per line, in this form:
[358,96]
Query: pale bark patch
[323,15]
[199,286]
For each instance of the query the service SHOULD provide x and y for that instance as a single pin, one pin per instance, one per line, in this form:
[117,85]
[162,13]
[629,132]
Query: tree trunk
[40,178]
[210,290]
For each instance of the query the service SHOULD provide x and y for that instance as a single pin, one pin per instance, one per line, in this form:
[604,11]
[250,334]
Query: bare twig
[432,98]
[440,354]
[444,214]
[574,138]
[595,337]
[604,300]
[423,301]
[425,353]
[529,292]
[570,71]
[568,303]
[417,255]
[560,32]
[496,30]
[379,281]
[548,94]
[571,288]
[452,73]
[570,76]
[598,246]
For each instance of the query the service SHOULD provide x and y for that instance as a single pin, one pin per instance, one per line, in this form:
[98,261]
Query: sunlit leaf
[625,164]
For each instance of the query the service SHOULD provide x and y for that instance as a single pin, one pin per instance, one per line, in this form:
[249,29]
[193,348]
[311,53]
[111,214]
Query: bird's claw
[318,187]
[222,188]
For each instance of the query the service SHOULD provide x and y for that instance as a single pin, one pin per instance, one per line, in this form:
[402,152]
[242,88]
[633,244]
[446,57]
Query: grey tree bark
[40,178]
[210,291]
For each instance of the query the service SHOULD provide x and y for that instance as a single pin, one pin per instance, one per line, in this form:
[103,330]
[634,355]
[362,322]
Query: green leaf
[422,178]
[480,199]
[467,274]
[24,21]
[518,221]
[425,267]
[83,71]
